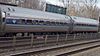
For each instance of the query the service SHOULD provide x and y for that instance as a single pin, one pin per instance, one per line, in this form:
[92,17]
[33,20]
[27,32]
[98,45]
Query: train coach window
[29,21]
[47,23]
[35,22]
[11,21]
[41,22]
[52,23]
[61,23]
[86,25]
[20,21]
[82,24]
[93,25]
[66,24]
[57,23]
[78,24]
[23,21]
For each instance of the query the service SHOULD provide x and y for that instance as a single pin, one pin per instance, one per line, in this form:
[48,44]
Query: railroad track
[63,50]
[13,44]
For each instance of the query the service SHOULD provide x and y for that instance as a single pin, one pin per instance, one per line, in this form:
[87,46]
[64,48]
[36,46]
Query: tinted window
[11,21]
[55,9]
[86,25]
[29,21]
[23,21]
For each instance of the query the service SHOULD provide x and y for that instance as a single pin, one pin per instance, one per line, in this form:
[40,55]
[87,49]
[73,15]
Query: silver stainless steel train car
[15,20]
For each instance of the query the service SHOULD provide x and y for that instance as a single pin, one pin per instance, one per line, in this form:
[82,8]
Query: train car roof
[24,12]
[41,15]
[85,20]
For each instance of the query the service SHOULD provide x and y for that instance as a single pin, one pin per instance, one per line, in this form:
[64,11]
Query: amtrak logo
[14,21]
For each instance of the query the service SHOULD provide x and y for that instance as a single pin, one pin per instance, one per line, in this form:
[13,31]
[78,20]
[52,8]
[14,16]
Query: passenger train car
[15,20]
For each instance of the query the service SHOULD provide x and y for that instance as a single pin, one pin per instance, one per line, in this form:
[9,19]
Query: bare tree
[33,4]
[66,4]
[82,8]
[42,5]
[89,8]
